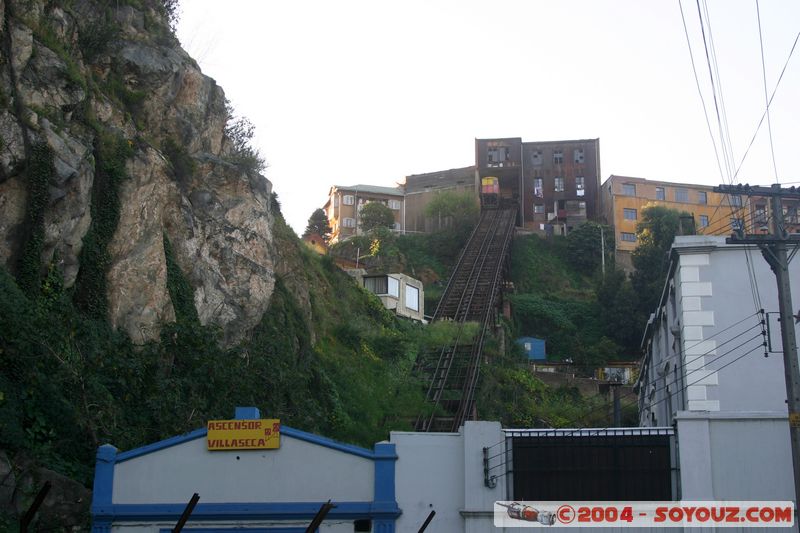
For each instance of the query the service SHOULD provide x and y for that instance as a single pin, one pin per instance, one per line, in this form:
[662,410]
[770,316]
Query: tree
[655,234]
[453,210]
[584,246]
[318,223]
[376,215]
[623,323]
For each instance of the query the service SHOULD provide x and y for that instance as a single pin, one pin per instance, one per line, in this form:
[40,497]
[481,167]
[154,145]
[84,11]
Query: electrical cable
[761,121]
[666,398]
[700,92]
[766,98]
[716,334]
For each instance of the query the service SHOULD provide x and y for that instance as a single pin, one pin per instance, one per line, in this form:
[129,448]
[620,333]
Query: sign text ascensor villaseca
[262,434]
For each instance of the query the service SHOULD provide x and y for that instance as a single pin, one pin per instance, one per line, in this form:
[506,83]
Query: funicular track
[470,296]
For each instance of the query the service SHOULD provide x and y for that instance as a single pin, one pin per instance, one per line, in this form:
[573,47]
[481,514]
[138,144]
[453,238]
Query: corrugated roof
[441,179]
[374,189]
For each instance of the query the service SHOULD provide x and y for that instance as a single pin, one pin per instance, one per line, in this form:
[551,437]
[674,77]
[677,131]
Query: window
[397,226]
[538,187]
[702,197]
[578,154]
[629,214]
[497,155]
[735,200]
[761,214]
[580,185]
[349,223]
[703,221]
[629,189]
[393,287]
[336,201]
[681,194]
[348,199]
[536,157]
[377,285]
[538,208]
[559,187]
[558,157]
[628,237]
[412,298]
[394,204]
[660,193]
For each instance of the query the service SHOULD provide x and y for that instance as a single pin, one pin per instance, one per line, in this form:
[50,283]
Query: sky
[371,91]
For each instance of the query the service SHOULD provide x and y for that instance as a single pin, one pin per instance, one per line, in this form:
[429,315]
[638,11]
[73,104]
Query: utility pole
[603,251]
[774,249]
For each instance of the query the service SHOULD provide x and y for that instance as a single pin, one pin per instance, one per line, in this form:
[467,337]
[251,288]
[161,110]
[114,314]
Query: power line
[669,394]
[700,92]
[727,147]
[686,348]
[683,388]
[766,100]
[724,130]
[761,121]
[762,334]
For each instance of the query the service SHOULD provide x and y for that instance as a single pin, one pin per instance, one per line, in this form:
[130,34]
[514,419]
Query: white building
[705,372]
[399,293]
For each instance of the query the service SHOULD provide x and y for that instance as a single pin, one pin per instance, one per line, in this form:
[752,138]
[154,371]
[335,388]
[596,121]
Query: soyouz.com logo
[644,514]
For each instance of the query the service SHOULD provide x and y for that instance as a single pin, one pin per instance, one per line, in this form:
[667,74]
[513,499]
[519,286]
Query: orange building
[622,199]
[316,243]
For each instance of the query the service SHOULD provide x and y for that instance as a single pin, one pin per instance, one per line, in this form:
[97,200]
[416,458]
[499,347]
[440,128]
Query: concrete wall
[444,472]
[735,456]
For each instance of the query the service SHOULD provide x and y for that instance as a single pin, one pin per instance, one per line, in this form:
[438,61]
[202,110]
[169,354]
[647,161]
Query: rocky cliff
[113,143]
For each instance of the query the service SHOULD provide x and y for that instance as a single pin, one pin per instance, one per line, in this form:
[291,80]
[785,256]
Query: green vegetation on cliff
[69,383]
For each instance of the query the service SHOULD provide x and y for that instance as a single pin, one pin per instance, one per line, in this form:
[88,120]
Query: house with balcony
[344,205]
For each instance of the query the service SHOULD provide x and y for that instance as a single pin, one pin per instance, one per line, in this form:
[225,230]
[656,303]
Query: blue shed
[534,348]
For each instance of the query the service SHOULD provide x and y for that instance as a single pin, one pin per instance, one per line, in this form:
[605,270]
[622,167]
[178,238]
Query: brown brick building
[553,182]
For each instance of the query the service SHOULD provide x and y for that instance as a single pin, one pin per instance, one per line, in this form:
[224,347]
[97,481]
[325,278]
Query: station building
[399,483]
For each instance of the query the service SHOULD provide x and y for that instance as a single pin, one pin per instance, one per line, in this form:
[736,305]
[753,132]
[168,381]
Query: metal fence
[630,464]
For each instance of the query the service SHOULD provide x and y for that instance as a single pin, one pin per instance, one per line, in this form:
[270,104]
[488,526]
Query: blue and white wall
[146,489]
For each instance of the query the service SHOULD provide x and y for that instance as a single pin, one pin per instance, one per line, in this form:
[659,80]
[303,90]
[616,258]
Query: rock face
[74,73]
[65,507]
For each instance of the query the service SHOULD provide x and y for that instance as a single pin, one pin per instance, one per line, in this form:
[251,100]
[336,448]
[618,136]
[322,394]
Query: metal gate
[623,464]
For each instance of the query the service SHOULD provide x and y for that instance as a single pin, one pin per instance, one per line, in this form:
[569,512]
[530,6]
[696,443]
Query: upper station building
[553,182]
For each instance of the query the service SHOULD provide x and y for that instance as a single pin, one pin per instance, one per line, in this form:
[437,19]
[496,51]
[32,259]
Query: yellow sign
[794,420]
[262,434]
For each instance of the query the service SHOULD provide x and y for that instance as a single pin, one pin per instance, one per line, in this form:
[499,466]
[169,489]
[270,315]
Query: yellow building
[623,198]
